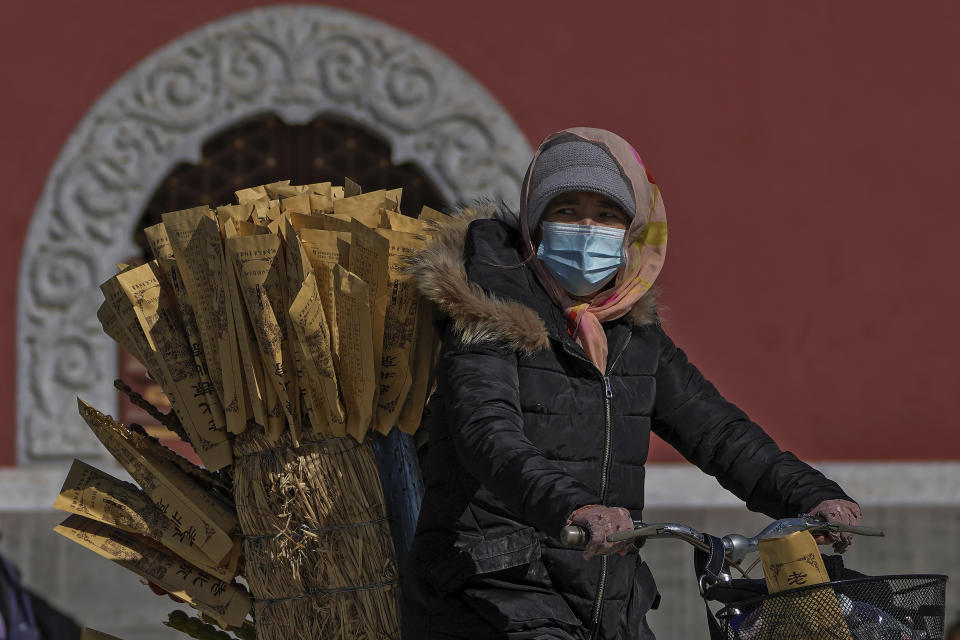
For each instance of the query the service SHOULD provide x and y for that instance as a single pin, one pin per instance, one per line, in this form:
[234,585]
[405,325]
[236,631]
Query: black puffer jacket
[524,429]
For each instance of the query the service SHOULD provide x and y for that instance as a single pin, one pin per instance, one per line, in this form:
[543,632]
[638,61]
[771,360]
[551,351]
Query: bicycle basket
[904,607]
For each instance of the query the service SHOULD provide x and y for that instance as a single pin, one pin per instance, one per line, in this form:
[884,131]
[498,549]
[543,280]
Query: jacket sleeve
[691,415]
[480,387]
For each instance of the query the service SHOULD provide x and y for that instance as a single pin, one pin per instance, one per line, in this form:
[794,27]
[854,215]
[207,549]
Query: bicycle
[892,607]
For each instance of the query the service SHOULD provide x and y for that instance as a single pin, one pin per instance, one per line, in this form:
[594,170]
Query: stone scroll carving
[296,62]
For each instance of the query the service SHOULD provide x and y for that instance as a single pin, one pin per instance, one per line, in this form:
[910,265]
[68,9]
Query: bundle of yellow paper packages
[282,329]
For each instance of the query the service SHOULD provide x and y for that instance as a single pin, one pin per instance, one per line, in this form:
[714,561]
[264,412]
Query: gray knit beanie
[574,164]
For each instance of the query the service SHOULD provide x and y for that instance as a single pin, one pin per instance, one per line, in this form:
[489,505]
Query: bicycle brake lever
[646,531]
[815,524]
[854,528]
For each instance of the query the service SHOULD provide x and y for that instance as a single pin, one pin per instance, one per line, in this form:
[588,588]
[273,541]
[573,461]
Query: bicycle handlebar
[736,546]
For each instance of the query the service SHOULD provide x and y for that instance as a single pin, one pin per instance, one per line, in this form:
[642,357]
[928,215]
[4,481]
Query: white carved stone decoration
[298,62]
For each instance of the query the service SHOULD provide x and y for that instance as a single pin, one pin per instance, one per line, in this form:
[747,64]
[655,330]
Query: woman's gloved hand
[600,522]
[837,511]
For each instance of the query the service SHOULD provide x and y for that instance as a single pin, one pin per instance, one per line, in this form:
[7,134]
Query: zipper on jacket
[604,472]
[598,603]
[604,475]
[607,437]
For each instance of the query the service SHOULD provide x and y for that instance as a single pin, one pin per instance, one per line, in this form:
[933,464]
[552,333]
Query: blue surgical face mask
[583,258]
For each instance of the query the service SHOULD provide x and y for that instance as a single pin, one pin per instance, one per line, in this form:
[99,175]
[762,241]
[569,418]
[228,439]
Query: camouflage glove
[837,511]
[601,521]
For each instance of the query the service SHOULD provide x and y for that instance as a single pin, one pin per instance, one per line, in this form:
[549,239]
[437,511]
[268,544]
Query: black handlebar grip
[574,536]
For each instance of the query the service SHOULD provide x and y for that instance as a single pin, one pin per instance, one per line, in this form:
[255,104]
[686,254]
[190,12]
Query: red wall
[806,153]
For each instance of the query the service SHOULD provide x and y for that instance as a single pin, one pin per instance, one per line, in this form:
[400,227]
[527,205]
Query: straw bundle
[282,329]
[311,511]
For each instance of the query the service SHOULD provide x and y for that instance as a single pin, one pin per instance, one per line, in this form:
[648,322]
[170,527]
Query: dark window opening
[266,149]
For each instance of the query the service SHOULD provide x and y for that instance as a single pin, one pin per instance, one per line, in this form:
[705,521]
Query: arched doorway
[297,63]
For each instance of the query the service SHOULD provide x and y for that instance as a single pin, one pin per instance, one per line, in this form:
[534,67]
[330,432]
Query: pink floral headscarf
[645,246]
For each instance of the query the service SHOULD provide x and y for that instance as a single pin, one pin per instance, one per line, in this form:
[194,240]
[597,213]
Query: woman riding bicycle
[553,372]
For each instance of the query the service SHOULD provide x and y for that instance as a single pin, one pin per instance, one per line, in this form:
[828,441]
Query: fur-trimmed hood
[485,313]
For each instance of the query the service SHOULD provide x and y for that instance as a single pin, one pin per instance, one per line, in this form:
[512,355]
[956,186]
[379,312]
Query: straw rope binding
[316,565]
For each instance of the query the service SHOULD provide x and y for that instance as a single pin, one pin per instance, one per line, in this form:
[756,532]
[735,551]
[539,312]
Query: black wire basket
[904,607]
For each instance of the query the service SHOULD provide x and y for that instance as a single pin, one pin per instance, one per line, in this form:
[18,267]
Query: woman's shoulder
[468,232]
[491,237]
[472,272]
